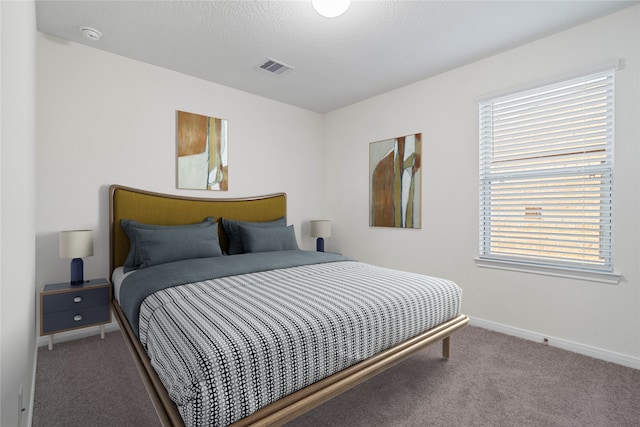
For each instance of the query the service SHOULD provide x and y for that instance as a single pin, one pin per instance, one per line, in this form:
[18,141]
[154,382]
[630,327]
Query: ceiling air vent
[275,67]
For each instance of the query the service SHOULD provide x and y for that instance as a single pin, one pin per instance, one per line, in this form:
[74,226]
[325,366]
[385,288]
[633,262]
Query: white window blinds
[546,166]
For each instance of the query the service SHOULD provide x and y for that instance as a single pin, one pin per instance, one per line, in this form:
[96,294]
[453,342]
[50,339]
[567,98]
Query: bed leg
[446,347]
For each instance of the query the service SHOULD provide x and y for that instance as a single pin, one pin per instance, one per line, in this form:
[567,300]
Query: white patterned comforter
[224,348]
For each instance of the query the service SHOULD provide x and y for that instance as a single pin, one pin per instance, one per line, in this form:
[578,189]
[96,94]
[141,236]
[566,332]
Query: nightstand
[64,307]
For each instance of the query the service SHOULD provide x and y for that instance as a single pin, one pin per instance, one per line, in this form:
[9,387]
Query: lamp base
[320,244]
[77,267]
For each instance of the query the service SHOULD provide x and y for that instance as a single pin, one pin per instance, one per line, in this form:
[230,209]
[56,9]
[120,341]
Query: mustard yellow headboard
[164,209]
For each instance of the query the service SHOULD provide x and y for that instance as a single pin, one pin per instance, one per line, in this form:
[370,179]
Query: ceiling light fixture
[330,8]
[91,33]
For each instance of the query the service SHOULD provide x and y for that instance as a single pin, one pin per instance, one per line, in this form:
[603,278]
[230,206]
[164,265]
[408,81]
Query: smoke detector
[91,33]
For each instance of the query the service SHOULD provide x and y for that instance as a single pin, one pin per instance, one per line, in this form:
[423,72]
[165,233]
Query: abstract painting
[202,152]
[394,182]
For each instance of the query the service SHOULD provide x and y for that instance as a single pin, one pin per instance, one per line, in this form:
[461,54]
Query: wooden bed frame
[155,208]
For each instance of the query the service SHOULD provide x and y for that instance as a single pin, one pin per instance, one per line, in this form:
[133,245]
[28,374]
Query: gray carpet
[90,383]
[491,380]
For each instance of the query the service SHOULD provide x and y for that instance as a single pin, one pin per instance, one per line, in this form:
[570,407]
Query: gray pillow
[133,230]
[265,239]
[231,228]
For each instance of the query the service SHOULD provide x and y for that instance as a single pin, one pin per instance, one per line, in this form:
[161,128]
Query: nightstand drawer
[75,300]
[71,319]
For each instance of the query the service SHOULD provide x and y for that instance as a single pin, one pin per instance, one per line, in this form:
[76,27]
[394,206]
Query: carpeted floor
[90,383]
[491,380]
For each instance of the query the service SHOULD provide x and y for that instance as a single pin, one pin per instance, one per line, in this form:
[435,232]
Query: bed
[226,334]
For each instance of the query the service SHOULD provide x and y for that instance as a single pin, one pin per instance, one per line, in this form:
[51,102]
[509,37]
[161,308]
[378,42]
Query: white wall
[105,119]
[17,209]
[444,108]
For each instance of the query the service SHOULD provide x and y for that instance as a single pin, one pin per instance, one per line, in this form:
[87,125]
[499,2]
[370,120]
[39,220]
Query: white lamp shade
[321,228]
[76,243]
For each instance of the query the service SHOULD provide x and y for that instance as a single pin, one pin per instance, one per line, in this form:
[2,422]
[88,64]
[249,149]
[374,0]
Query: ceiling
[374,47]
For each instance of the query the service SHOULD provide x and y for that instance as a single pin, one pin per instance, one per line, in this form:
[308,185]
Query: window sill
[610,278]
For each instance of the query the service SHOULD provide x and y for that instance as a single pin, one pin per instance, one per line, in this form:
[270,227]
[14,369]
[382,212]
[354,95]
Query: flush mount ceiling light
[91,33]
[330,8]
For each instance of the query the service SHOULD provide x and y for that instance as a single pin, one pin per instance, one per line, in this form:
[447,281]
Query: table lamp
[76,244]
[320,228]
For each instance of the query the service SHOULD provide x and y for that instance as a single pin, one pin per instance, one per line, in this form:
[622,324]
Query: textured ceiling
[376,46]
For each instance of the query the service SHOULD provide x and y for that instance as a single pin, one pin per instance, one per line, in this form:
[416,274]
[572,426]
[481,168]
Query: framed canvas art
[202,152]
[394,182]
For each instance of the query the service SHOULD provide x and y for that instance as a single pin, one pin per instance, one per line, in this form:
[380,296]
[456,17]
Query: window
[546,166]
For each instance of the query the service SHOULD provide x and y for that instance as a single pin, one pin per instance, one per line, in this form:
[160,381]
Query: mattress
[225,347]
[117,277]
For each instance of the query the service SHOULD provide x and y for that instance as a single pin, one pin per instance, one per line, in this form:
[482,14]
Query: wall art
[394,182]
[202,152]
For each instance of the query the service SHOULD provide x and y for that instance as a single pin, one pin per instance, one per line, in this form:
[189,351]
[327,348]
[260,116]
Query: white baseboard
[77,334]
[587,350]
[32,395]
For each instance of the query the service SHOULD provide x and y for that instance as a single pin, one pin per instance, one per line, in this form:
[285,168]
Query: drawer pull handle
[77,299]
[77,318]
